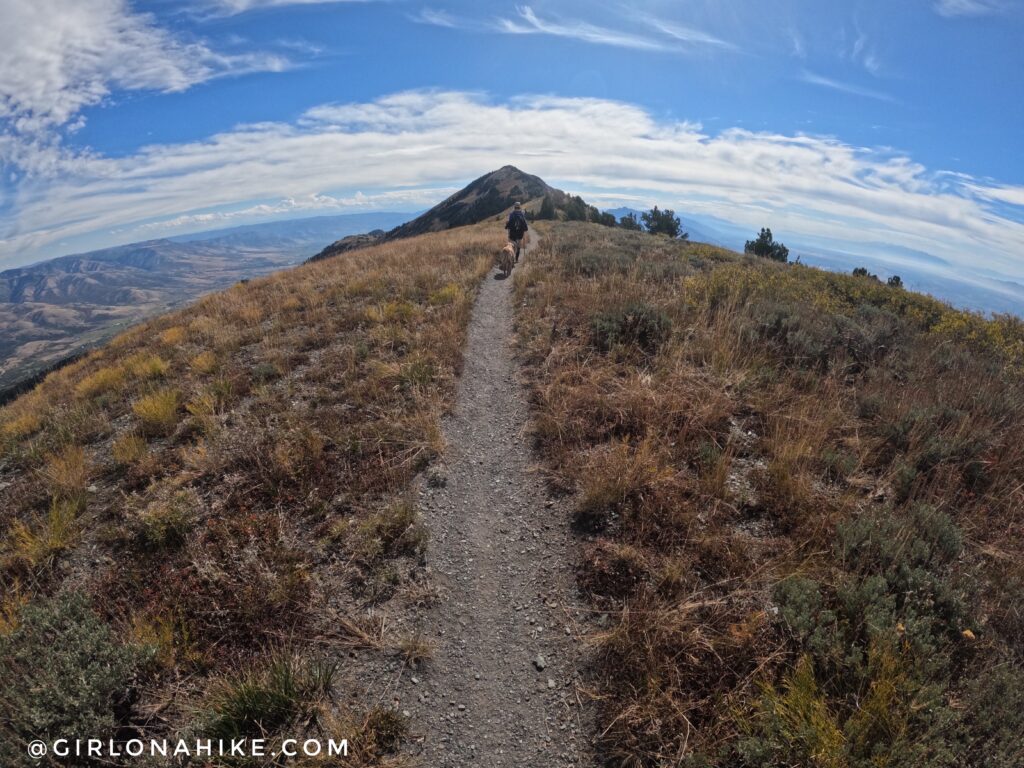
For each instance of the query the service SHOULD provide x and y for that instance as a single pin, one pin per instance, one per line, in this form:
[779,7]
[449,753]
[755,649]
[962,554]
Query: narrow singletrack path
[502,688]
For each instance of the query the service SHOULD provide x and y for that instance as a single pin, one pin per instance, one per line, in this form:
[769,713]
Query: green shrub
[766,247]
[264,373]
[881,636]
[62,674]
[805,337]
[794,725]
[597,262]
[638,324]
[993,718]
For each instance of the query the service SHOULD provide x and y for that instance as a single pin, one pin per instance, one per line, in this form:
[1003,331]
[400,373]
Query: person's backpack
[517,225]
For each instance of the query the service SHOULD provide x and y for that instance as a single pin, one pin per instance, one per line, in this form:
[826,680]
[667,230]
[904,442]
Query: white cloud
[808,186]
[688,35]
[436,18]
[1010,195]
[529,23]
[672,37]
[838,85]
[797,46]
[233,7]
[952,8]
[313,203]
[60,56]
[863,54]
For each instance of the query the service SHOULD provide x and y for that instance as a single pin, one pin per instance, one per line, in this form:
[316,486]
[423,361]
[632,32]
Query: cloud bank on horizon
[410,148]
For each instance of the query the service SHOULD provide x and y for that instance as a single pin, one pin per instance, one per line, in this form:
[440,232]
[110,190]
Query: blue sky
[842,124]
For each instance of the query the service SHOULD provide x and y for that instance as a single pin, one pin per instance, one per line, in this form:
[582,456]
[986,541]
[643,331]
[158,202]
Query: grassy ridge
[201,502]
[802,498]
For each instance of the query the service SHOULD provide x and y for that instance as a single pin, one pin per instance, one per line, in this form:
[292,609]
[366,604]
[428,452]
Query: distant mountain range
[55,309]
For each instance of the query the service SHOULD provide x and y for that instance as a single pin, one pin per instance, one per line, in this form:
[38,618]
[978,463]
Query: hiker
[517,227]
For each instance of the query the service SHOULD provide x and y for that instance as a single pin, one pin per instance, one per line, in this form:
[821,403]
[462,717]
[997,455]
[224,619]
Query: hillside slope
[204,506]
[801,499]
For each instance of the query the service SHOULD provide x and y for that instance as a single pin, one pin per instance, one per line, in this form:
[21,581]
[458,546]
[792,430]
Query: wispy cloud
[862,53]
[797,46]
[803,186]
[312,203]
[671,37]
[57,58]
[234,7]
[953,8]
[850,88]
[684,34]
[436,18]
[1010,195]
[529,23]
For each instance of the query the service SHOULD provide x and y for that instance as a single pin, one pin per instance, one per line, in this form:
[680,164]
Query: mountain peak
[488,196]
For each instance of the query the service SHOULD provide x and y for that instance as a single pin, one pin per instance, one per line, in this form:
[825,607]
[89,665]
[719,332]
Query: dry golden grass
[285,406]
[34,545]
[22,425]
[146,365]
[158,412]
[770,456]
[129,448]
[101,381]
[11,603]
[204,362]
[67,473]
[157,634]
[174,336]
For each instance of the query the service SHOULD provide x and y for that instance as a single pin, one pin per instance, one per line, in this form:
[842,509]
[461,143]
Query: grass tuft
[145,365]
[268,699]
[36,546]
[102,381]
[158,412]
[67,474]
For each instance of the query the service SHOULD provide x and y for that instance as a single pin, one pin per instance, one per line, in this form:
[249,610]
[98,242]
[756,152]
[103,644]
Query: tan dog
[507,259]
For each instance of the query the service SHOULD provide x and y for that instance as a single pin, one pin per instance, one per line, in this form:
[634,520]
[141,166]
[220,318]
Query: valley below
[53,311]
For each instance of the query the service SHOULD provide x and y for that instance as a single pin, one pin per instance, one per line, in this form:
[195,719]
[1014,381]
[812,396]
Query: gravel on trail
[503,687]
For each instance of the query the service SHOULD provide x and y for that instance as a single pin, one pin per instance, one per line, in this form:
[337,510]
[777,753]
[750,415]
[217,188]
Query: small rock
[551,683]
[539,663]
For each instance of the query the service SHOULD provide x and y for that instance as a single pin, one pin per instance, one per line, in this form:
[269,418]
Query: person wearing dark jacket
[517,227]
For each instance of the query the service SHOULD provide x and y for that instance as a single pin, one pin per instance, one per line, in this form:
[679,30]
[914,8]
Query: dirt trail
[501,689]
